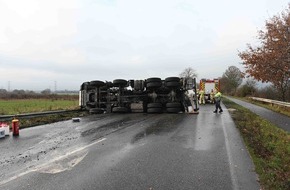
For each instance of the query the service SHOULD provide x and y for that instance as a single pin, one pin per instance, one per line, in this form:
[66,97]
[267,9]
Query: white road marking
[229,154]
[62,165]
[39,167]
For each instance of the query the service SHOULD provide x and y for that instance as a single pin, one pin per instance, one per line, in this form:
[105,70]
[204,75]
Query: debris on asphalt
[76,119]
[2,132]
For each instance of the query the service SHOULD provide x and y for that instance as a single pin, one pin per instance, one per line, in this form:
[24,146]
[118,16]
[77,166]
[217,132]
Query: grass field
[12,107]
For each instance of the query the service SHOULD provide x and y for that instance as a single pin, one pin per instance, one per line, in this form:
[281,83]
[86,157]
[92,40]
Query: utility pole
[8,86]
[55,86]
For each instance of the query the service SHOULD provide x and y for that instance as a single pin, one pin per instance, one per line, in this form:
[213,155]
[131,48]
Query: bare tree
[188,73]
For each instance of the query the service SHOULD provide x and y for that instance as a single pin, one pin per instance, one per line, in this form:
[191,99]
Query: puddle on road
[116,122]
[105,127]
[164,124]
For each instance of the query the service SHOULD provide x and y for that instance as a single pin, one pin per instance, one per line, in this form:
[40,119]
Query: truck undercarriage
[152,95]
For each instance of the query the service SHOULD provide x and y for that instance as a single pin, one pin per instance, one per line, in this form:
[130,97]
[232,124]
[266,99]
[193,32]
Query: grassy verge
[268,145]
[42,120]
[24,123]
[13,107]
[275,108]
[18,106]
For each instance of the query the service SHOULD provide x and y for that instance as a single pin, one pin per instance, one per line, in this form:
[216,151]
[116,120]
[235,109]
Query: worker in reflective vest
[217,98]
[201,97]
[212,97]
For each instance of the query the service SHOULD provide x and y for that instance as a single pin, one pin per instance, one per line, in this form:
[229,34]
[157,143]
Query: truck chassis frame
[151,95]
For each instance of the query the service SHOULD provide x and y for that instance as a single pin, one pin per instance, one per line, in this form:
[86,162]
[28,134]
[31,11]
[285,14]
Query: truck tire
[172,84]
[97,83]
[96,111]
[172,79]
[120,110]
[173,105]
[153,84]
[120,83]
[154,110]
[153,79]
[154,105]
[173,110]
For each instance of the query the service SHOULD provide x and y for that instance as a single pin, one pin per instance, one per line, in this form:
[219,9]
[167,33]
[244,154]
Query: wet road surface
[277,119]
[130,151]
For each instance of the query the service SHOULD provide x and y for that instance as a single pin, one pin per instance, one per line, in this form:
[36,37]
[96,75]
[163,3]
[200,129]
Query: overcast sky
[67,42]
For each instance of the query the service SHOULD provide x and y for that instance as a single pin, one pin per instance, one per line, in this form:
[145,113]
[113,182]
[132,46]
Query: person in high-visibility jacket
[201,97]
[217,98]
[212,96]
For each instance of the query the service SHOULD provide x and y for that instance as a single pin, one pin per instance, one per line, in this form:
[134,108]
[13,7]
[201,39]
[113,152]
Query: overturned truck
[152,95]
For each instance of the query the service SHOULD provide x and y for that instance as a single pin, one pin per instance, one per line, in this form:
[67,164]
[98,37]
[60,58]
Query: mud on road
[38,145]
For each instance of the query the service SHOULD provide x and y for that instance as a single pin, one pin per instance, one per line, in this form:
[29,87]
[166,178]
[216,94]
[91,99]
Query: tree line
[233,82]
[29,94]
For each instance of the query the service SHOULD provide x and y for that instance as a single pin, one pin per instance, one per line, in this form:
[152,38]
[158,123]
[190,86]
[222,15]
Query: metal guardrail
[273,102]
[37,114]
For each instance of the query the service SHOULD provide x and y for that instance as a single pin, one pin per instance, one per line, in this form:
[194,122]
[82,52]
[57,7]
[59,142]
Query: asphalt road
[277,119]
[129,151]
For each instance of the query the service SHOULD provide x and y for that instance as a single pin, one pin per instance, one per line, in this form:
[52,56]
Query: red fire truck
[208,85]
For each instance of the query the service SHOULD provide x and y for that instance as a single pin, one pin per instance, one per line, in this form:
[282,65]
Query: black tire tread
[154,105]
[172,84]
[172,79]
[120,82]
[154,85]
[154,110]
[173,105]
[97,83]
[153,79]
[173,110]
